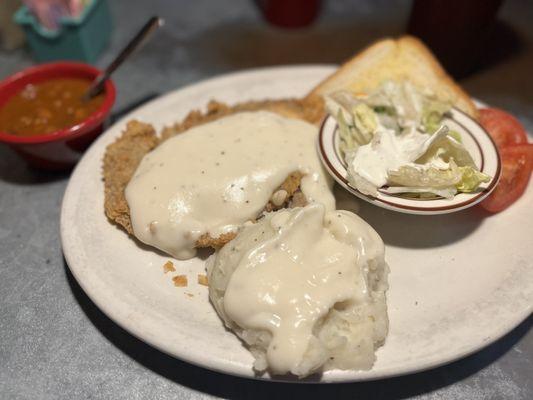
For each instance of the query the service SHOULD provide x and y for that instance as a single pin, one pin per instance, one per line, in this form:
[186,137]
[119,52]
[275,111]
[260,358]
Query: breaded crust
[122,157]
[120,162]
[311,110]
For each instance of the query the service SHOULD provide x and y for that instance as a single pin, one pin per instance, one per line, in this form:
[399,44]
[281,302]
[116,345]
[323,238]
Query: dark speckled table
[55,343]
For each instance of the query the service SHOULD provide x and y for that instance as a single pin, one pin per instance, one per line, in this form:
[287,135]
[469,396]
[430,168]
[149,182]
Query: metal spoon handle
[139,39]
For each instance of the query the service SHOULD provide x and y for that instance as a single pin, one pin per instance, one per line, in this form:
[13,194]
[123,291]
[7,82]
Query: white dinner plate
[475,139]
[458,282]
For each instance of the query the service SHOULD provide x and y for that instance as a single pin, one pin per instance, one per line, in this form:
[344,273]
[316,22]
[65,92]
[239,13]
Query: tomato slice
[517,163]
[505,129]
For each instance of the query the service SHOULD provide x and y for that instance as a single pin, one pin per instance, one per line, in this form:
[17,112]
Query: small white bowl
[476,140]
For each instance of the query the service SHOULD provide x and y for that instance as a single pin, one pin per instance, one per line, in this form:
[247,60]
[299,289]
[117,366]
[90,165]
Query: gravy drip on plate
[216,176]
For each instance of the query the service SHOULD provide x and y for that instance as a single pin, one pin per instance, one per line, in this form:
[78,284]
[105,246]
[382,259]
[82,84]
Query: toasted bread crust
[319,89]
[393,46]
[122,157]
[471,108]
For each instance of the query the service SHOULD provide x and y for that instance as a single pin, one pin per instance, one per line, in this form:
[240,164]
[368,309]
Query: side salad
[395,137]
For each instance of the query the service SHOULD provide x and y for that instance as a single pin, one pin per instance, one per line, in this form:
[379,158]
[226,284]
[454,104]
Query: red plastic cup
[63,148]
[289,13]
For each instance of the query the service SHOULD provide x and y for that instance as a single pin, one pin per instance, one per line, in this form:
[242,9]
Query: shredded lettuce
[357,121]
[437,181]
[432,115]
[348,141]
[362,184]
[396,106]
[445,148]
[422,177]
[365,120]
[426,192]
[395,136]
[410,107]
[456,135]
[471,178]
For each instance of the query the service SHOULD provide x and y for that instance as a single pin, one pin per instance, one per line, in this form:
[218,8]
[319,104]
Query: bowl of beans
[44,117]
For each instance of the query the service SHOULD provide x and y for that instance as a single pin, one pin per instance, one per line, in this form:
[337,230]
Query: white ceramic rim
[119,313]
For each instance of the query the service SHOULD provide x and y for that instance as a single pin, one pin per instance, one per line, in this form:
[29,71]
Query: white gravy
[286,283]
[216,176]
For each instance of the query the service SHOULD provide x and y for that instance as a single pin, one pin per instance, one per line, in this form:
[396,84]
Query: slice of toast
[406,58]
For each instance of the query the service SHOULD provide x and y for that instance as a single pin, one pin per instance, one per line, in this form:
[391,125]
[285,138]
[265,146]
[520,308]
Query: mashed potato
[305,290]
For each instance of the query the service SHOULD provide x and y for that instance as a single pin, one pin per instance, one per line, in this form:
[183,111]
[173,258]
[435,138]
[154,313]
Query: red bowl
[63,148]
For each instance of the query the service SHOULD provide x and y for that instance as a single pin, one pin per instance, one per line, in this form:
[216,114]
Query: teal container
[80,39]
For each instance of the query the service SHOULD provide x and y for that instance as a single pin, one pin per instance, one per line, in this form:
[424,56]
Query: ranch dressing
[216,176]
[285,284]
[388,151]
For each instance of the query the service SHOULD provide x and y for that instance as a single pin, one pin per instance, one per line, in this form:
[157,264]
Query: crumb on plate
[180,280]
[168,267]
[202,279]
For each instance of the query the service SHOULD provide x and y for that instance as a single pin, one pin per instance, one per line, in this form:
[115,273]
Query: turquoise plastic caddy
[81,39]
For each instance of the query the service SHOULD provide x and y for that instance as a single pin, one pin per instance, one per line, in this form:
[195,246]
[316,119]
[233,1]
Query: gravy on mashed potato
[305,290]
[216,176]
